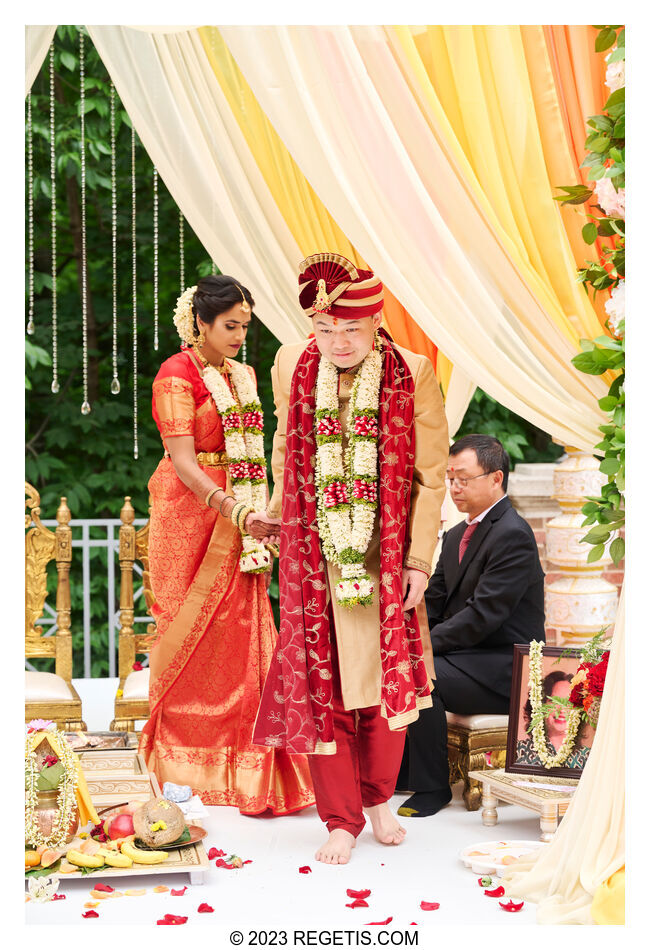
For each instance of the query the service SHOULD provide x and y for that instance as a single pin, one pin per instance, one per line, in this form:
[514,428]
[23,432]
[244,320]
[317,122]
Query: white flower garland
[243,428]
[347,489]
[184,316]
[539,729]
[66,799]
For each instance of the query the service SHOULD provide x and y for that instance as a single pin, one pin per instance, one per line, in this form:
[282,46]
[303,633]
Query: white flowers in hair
[539,730]
[184,316]
[347,487]
[243,427]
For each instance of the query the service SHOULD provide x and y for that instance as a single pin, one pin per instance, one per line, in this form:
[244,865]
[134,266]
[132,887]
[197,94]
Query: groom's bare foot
[385,826]
[337,848]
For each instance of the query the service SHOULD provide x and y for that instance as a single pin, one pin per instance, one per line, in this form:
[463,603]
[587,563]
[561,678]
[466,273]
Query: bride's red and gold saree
[215,627]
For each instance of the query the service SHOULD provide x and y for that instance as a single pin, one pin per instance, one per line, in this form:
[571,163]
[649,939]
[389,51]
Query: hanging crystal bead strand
[115,384]
[135,298]
[85,406]
[55,340]
[181,249]
[155,258]
[30,216]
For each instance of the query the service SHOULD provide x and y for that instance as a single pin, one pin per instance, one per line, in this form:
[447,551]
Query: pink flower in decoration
[40,725]
[335,494]
[610,200]
[366,425]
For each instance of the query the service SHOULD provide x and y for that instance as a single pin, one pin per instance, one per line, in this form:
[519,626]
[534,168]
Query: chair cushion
[45,688]
[136,685]
[479,721]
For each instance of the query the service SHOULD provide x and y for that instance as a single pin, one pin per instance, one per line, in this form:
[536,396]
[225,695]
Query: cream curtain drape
[37,43]
[589,845]
[343,108]
[186,126]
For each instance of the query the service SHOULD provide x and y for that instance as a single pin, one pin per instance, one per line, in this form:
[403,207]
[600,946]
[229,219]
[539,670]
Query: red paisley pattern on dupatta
[215,630]
[296,709]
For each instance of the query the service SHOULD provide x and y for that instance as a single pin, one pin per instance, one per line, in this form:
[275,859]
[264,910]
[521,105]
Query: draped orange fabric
[215,630]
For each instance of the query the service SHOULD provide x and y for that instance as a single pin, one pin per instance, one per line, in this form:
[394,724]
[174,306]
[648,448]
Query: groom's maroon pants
[364,768]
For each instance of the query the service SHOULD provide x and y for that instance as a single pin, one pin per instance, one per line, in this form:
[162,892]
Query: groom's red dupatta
[296,707]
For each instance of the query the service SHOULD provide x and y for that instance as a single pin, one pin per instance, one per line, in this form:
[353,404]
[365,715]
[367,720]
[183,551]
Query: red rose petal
[497,892]
[178,893]
[104,887]
[216,853]
[379,923]
[172,919]
[250,861]
[58,897]
[361,894]
[413,923]
[358,902]
[220,863]
[429,905]
[205,909]
[90,913]
[511,906]
[305,869]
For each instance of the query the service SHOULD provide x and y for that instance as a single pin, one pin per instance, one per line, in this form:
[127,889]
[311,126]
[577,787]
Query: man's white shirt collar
[483,513]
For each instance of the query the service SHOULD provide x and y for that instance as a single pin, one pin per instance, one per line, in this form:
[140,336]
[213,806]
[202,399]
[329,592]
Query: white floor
[270,894]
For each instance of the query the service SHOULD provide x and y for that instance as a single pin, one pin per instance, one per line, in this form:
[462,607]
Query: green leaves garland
[605,159]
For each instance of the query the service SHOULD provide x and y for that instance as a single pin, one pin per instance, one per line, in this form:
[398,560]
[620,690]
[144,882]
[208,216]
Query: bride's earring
[199,339]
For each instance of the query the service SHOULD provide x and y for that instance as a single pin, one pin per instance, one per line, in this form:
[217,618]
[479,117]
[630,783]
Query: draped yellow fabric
[608,905]
[489,95]
[308,219]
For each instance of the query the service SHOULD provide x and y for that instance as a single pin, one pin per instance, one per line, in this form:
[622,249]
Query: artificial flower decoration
[511,906]
[171,919]
[497,892]
[42,889]
[205,909]
[429,905]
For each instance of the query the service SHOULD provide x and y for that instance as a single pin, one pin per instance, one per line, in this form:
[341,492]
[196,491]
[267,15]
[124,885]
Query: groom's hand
[264,529]
[414,584]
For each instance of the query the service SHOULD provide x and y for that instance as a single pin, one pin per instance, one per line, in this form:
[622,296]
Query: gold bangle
[225,497]
[234,514]
[211,493]
[241,518]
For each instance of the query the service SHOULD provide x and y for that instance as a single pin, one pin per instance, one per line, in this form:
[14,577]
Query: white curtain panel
[181,116]
[37,43]
[329,92]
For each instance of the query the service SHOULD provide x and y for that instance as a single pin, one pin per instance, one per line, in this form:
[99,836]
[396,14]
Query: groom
[359,459]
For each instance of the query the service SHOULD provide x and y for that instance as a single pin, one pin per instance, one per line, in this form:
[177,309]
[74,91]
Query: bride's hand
[264,529]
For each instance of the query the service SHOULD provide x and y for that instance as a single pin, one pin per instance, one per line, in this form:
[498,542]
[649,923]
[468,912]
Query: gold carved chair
[49,695]
[133,703]
[475,743]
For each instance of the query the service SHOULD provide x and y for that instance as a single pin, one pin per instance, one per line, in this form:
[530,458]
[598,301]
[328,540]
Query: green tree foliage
[521,439]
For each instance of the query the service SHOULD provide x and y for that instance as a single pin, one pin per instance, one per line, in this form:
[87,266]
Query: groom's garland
[243,427]
[538,716]
[347,487]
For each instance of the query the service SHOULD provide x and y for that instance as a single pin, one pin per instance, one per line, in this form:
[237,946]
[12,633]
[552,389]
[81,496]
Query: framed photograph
[559,666]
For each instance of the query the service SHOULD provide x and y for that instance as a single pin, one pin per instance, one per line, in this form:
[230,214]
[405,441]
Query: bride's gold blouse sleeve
[173,406]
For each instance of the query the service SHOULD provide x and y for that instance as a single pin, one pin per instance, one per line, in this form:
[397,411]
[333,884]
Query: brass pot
[45,814]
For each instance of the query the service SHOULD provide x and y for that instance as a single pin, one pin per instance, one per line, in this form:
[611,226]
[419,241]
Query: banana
[84,860]
[115,859]
[142,857]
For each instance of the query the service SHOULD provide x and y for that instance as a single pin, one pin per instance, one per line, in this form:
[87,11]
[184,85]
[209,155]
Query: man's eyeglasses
[462,482]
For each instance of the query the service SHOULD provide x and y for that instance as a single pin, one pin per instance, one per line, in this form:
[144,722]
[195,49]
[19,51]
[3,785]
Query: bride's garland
[538,719]
[347,487]
[243,428]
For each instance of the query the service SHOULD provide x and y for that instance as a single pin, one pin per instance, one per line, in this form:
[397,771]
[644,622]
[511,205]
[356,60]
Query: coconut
[154,813]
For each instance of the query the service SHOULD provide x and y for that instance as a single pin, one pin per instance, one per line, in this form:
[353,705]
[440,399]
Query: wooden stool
[475,743]
[531,791]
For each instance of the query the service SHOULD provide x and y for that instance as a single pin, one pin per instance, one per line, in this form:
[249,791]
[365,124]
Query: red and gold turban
[330,284]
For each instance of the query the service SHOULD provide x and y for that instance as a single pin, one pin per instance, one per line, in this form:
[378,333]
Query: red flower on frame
[205,909]
[429,905]
[596,676]
[172,919]
[305,869]
[511,906]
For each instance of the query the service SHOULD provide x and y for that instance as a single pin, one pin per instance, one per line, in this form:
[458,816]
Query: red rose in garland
[596,676]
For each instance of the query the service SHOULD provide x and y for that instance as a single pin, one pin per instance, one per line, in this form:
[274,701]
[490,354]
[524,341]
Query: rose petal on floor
[179,892]
[160,889]
[305,869]
[90,913]
[205,909]
[358,902]
[429,905]
[361,894]
[136,892]
[379,923]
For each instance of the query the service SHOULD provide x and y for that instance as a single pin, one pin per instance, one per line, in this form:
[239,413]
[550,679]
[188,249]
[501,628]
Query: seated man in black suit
[486,594]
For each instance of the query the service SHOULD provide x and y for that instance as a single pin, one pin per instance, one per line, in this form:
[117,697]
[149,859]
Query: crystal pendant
[155,343]
[55,386]
[31,328]
[115,386]
[135,452]
[85,407]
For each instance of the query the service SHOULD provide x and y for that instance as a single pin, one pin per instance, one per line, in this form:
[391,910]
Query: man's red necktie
[464,541]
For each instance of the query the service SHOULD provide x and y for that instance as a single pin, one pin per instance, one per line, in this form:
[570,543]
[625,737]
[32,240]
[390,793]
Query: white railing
[81,539]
